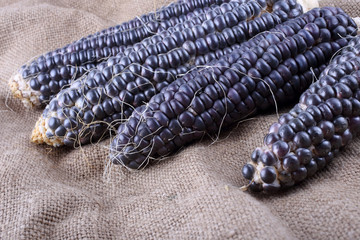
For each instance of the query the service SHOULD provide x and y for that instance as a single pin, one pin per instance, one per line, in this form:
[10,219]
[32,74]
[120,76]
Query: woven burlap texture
[48,193]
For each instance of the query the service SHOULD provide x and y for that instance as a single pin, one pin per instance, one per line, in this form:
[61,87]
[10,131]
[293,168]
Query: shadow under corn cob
[308,138]
[234,88]
[81,114]
[37,81]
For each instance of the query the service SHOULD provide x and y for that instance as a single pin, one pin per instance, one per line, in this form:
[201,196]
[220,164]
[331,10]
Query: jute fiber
[48,193]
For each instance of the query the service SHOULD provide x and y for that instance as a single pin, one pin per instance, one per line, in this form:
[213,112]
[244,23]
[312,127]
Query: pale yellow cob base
[308,4]
[38,135]
[357,21]
[21,90]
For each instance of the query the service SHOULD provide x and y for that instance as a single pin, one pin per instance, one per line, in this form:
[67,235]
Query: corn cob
[36,88]
[43,77]
[308,138]
[109,94]
[206,101]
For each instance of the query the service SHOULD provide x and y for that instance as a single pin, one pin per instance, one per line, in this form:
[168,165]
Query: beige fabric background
[48,193]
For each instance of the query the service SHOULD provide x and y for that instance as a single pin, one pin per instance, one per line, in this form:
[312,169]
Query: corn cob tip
[20,89]
[38,135]
[261,176]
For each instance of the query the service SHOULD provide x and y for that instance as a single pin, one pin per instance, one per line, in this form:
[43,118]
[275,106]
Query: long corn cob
[43,77]
[81,113]
[307,138]
[234,88]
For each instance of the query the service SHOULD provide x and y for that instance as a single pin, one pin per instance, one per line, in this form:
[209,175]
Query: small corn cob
[43,77]
[82,113]
[307,138]
[203,102]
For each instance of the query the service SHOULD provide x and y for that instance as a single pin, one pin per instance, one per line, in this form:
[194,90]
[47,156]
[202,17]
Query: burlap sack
[63,193]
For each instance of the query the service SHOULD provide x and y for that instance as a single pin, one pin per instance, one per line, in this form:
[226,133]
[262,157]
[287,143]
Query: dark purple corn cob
[84,111]
[47,74]
[235,87]
[308,138]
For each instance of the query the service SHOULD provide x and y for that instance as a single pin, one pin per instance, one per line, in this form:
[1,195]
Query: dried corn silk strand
[61,66]
[83,112]
[45,76]
[234,88]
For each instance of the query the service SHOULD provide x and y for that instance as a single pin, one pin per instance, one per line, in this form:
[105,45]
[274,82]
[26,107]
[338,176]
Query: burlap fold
[48,193]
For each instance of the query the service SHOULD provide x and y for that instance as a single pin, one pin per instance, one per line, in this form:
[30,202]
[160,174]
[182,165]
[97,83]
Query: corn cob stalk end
[308,4]
[357,21]
[38,135]
[20,89]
